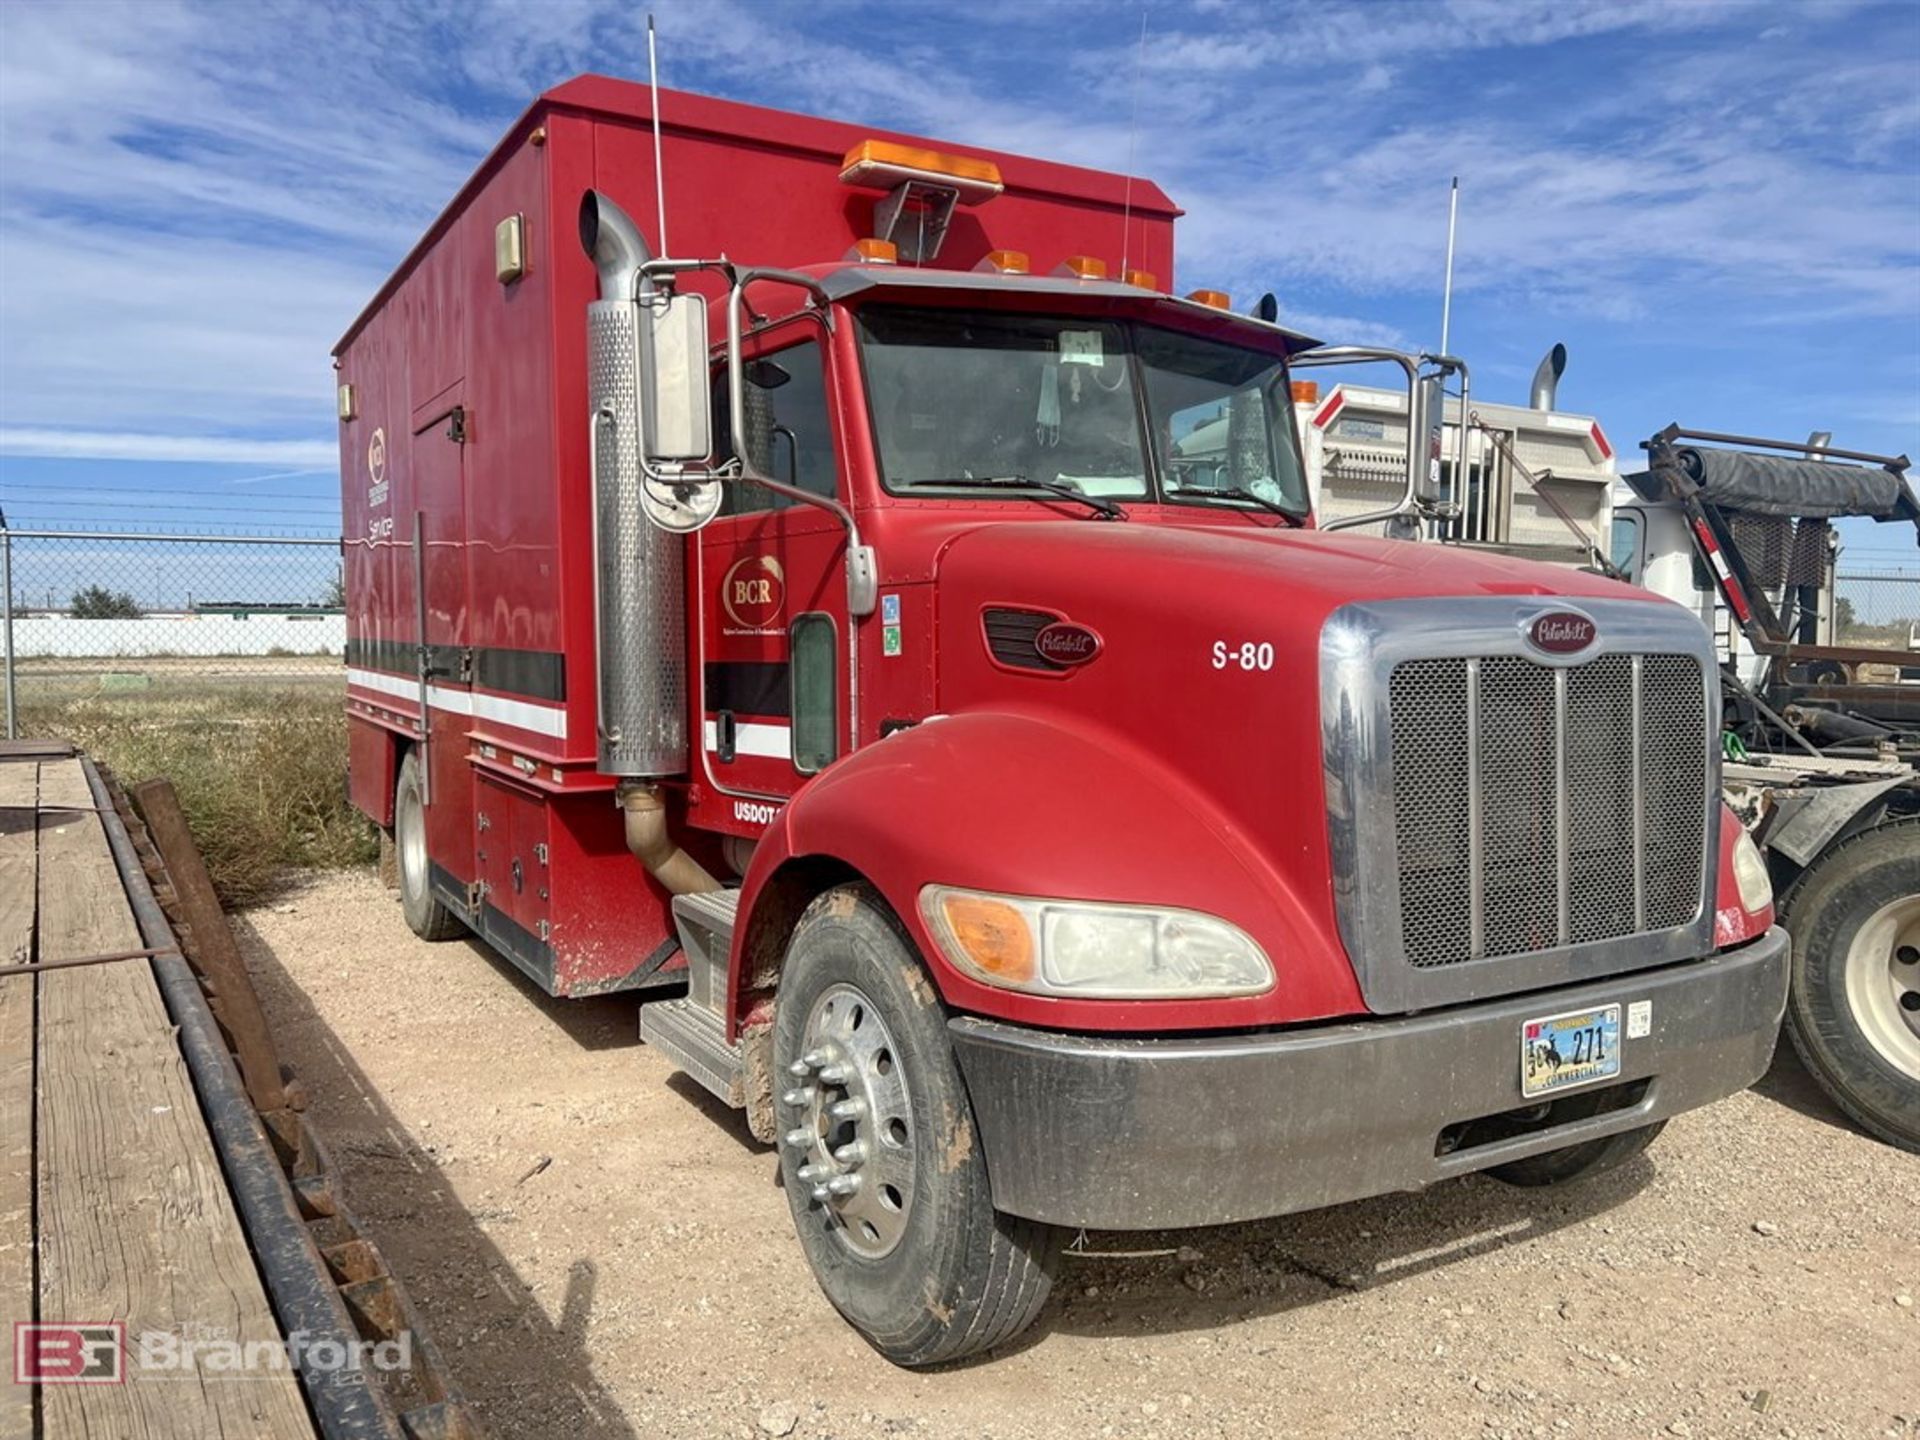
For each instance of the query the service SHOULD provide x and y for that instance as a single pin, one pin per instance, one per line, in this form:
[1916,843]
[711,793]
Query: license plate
[1559,1052]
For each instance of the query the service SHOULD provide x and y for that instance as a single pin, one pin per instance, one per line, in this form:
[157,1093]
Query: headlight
[1095,951]
[1750,874]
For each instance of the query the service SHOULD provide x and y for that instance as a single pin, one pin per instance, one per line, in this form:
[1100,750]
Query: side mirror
[1425,439]
[675,404]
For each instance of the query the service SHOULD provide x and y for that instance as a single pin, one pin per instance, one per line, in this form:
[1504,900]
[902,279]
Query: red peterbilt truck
[818,617]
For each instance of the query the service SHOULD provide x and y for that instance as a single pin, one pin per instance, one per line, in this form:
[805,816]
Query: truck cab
[948,685]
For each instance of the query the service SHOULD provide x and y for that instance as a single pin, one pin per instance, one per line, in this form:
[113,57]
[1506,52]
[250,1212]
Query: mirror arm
[862,572]
[1409,501]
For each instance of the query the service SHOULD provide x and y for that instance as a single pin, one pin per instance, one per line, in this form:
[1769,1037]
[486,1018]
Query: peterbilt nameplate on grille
[1505,818]
[1561,632]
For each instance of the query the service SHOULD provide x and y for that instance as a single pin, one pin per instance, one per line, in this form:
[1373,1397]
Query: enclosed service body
[1050,828]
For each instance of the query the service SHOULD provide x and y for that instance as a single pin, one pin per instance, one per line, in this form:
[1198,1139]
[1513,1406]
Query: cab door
[771,583]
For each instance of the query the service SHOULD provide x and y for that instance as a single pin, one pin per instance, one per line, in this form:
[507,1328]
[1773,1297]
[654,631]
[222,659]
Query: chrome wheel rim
[411,838]
[850,1123]
[1883,983]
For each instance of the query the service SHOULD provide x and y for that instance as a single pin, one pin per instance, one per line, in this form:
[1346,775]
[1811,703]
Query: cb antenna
[1446,298]
[660,175]
[1133,135]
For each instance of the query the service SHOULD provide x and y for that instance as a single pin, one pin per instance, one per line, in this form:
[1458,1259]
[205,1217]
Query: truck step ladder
[692,1031]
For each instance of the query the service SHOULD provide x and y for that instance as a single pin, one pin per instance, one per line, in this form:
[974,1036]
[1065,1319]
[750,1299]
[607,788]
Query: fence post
[6,583]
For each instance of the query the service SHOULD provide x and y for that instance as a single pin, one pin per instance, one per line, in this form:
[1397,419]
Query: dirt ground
[601,1251]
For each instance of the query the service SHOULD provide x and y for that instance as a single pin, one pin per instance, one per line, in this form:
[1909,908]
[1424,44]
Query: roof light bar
[884,165]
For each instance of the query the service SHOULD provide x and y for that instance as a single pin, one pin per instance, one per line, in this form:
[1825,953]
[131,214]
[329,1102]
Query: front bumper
[1115,1133]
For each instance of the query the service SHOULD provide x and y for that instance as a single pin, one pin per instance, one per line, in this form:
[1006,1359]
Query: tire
[935,1274]
[1577,1162]
[1852,915]
[426,916]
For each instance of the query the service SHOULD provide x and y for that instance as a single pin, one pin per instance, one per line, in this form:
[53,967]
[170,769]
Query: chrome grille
[1537,807]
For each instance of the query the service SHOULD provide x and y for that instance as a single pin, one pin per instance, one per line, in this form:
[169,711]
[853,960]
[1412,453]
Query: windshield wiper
[1104,507]
[1240,492]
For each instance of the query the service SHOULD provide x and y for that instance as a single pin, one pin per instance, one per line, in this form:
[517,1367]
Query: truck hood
[1310,566]
[1203,686]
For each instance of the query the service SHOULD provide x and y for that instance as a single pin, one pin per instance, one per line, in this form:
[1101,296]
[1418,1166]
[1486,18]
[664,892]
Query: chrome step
[694,1038]
[705,922]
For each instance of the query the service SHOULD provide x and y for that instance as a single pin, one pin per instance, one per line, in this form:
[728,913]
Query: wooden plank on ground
[19,786]
[216,956]
[136,1224]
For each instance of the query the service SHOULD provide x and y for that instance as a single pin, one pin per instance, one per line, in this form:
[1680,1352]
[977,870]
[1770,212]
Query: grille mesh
[1010,637]
[1530,764]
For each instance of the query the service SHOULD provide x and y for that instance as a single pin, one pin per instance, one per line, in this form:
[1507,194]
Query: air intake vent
[1010,638]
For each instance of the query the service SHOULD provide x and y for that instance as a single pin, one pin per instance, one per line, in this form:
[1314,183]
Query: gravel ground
[601,1250]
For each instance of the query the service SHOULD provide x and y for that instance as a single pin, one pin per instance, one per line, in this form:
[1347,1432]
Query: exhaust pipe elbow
[614,244]
[1546,379]
[645,814]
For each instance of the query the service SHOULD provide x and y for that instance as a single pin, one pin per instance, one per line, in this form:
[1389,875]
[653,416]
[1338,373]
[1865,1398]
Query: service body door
[771,588]
[437,453]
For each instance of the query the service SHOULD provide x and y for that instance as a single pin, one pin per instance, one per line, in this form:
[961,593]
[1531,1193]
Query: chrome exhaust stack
[1546,379]
[639,585]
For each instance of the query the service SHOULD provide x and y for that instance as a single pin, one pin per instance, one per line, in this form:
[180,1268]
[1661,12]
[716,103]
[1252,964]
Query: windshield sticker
[1081,347]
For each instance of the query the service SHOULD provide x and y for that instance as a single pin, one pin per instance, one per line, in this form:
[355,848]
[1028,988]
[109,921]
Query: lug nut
[798,1096]
[800,1138]
[809,1173]
[799,1070]
[854,1152]
[814,1059]
[835,1075]
[843,1184]
[849,1109]
[819,1195]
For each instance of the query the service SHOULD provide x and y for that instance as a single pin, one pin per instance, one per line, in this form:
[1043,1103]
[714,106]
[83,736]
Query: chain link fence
[172,625]
[1877,609]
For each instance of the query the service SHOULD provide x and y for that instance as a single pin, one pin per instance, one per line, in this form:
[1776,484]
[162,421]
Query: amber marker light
[1007,262]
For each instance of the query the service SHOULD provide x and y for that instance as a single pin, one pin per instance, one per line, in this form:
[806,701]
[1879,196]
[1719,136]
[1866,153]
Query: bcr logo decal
[754,592]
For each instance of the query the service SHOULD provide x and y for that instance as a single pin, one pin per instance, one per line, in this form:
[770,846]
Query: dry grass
[261,768]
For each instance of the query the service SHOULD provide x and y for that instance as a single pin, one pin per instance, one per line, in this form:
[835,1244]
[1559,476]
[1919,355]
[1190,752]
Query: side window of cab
[789,430]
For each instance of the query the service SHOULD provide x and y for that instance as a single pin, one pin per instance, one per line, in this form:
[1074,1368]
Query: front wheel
[1853,1004]
[881,1161]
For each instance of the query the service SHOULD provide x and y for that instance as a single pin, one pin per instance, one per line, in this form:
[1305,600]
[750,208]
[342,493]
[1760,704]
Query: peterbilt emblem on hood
[1561,632]
[1065,643]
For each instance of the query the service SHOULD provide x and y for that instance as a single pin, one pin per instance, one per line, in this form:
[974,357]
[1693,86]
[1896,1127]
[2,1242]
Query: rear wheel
[1853,1005]
[882,1164]
[426,916]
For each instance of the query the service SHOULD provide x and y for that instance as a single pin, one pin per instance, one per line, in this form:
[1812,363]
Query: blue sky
[1714,203]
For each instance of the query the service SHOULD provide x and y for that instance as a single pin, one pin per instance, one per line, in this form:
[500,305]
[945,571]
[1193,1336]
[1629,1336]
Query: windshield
[966,395]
